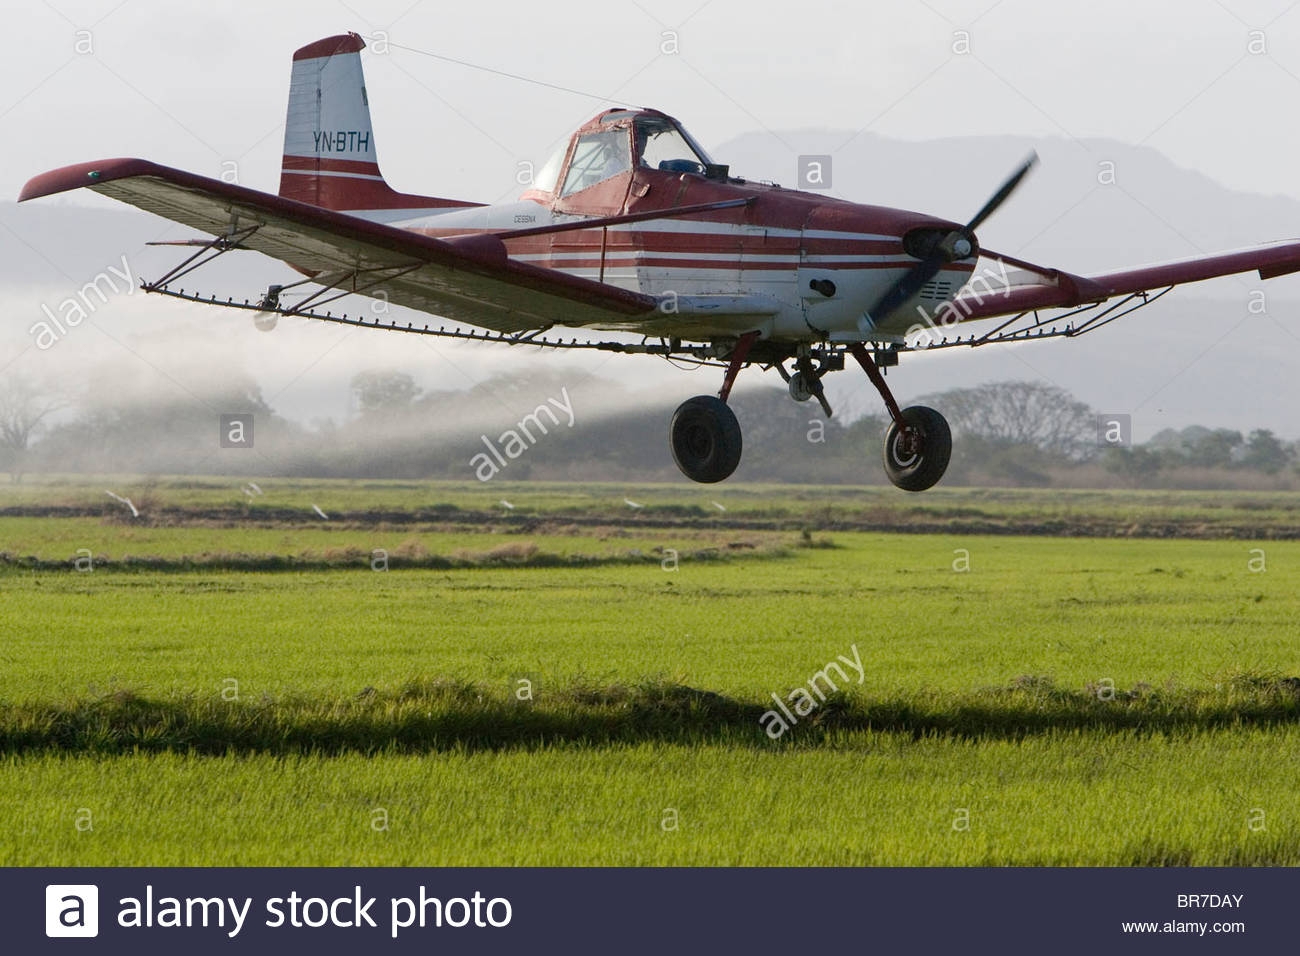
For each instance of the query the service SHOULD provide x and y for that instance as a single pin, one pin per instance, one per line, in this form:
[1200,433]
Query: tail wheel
[705,439]
[916,458]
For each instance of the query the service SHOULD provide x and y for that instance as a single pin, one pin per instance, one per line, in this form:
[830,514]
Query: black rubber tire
[924,469]
[705,439]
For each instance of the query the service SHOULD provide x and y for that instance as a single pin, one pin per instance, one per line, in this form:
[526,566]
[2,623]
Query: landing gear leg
[738,356]
[705,436]
[918,444]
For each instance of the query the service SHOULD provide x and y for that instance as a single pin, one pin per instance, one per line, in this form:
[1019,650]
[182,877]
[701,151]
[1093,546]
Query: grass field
[577,681]
[1199,514]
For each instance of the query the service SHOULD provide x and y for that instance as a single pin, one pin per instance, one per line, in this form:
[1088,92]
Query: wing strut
[209,249]
[336,281]
[1022,328]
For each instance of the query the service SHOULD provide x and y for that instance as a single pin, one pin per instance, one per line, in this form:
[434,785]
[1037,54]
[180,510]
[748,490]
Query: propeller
[955,245]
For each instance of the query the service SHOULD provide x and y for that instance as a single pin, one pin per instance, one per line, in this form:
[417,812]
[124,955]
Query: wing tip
[66,178]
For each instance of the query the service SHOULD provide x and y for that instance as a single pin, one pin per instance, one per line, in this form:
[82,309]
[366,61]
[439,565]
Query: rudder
[329,144]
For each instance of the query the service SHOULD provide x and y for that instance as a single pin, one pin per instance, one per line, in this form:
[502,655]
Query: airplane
[631,227]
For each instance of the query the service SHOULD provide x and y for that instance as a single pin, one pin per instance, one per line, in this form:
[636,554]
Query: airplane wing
[470,280]
[1034,287]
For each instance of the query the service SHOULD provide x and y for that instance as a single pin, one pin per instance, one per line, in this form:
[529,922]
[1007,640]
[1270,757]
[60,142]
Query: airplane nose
[944,241]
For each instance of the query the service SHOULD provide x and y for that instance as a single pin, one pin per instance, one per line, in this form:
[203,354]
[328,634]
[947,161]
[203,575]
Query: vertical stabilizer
[329,144]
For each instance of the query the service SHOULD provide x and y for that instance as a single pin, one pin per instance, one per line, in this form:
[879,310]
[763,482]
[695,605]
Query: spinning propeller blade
[1003,194]
[956,245]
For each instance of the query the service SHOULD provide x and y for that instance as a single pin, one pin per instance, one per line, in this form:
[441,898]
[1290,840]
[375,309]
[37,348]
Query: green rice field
[654,676]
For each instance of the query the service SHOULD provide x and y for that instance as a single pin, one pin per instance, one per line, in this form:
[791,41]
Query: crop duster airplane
[632,228]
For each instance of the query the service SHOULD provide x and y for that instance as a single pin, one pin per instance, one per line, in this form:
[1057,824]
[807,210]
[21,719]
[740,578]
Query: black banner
[627,911]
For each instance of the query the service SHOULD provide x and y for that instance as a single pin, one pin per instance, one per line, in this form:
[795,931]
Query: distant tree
[1137,464]
[1166,438]
[1193,435]
[1264,452]
[1211,449]
[384,391]
[24,408]
[1021,413]
[132,423]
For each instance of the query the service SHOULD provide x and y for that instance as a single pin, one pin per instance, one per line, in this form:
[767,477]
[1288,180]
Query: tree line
[1008,433]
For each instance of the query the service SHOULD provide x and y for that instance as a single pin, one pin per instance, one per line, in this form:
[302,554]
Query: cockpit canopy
[615,142]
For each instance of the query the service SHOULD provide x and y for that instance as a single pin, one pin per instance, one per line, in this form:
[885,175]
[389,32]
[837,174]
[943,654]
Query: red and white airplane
[633,228]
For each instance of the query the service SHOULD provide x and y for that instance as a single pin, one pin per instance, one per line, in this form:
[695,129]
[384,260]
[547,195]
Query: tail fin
[329,145]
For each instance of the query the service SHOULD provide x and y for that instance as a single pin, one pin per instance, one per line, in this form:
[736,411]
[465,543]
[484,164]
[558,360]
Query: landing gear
[705,436]
[705,439]
[917,456]
[918,444]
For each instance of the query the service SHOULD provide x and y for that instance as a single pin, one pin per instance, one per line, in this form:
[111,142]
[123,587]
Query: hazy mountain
[1090,205]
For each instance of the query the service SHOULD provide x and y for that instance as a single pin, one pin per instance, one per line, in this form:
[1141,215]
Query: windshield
[597,157]
[661,145]
[549,174]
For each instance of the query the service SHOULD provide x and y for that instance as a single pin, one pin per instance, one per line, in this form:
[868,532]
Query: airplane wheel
[705,439]
[922,465]
[800,390]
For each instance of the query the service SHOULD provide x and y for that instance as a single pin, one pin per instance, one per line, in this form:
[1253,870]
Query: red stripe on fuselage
[653,240]
[640,259]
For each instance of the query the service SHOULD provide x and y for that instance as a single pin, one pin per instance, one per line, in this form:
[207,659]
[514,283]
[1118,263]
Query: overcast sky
[1211,84]
[196,84]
